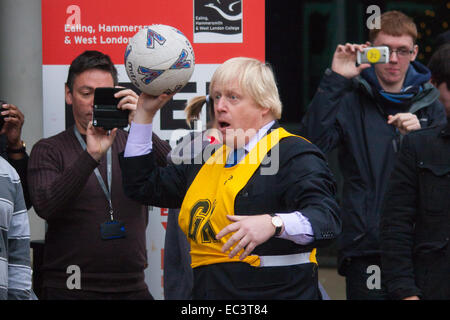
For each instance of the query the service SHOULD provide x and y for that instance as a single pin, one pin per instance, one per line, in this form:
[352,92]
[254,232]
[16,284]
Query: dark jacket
[303,183]
[415,222]
[347,114]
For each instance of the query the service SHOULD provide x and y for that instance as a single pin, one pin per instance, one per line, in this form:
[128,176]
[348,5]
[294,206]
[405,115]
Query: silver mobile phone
[373,55]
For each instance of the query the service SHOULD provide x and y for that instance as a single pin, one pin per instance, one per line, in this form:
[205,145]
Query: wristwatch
[20,150]
[277,223]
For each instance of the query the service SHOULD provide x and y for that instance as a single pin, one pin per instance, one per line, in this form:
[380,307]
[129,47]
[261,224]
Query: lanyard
[106,190]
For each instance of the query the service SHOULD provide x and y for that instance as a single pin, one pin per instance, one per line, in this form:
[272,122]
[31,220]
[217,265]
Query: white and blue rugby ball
[159,59]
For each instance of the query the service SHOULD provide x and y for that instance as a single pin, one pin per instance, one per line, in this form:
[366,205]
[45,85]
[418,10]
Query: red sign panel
[218,30]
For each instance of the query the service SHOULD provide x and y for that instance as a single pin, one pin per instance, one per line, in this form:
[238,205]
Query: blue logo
[181,62]
[149,74]
[153,36]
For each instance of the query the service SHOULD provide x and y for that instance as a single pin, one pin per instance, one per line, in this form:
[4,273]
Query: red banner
[71,26]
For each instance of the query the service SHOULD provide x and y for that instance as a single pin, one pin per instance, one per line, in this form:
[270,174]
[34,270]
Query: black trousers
[66,294]
[238,280]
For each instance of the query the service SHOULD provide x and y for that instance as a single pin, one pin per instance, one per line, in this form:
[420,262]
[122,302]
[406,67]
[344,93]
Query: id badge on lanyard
[112,229]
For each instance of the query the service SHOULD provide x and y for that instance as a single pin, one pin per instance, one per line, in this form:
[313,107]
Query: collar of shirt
[253,141]
[261,133]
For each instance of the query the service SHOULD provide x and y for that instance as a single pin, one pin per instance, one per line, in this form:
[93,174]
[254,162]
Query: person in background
[415,221]
[95,246]
[365,111]
[178,277]
[439,66]
[15,269]
[12,147]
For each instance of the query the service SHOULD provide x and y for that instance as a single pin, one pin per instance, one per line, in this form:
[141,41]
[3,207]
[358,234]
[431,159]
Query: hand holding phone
[344,60]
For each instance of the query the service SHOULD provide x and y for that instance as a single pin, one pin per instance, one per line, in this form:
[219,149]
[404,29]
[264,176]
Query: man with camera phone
[95,244]
[365,110]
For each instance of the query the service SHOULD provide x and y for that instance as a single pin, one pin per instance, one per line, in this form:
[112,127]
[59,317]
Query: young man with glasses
[366,110]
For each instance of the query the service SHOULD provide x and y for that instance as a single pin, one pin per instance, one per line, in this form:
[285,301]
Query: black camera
[106,115]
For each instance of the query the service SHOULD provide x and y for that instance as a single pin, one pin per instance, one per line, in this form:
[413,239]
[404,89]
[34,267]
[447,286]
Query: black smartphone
[106,115]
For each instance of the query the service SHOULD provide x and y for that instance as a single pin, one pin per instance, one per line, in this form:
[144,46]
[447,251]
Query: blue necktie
[235,156]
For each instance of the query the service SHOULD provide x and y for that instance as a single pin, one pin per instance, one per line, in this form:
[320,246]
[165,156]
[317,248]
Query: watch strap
[19,150]
[277,229]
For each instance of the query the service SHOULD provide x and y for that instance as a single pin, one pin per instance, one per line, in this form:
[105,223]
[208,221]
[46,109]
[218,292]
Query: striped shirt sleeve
[15,269]
[19,264]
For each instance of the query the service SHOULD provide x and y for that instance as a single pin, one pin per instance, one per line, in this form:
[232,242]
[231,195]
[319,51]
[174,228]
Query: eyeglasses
[402,52]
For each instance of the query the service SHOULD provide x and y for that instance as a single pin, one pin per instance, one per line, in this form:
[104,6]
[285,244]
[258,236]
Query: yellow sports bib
[211,196]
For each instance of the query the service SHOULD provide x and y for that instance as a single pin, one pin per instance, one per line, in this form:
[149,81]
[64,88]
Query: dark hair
[442,38]
[91,60]
[439,65]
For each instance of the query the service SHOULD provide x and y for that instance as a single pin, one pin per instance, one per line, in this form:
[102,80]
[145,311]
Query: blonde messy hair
[254,77]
